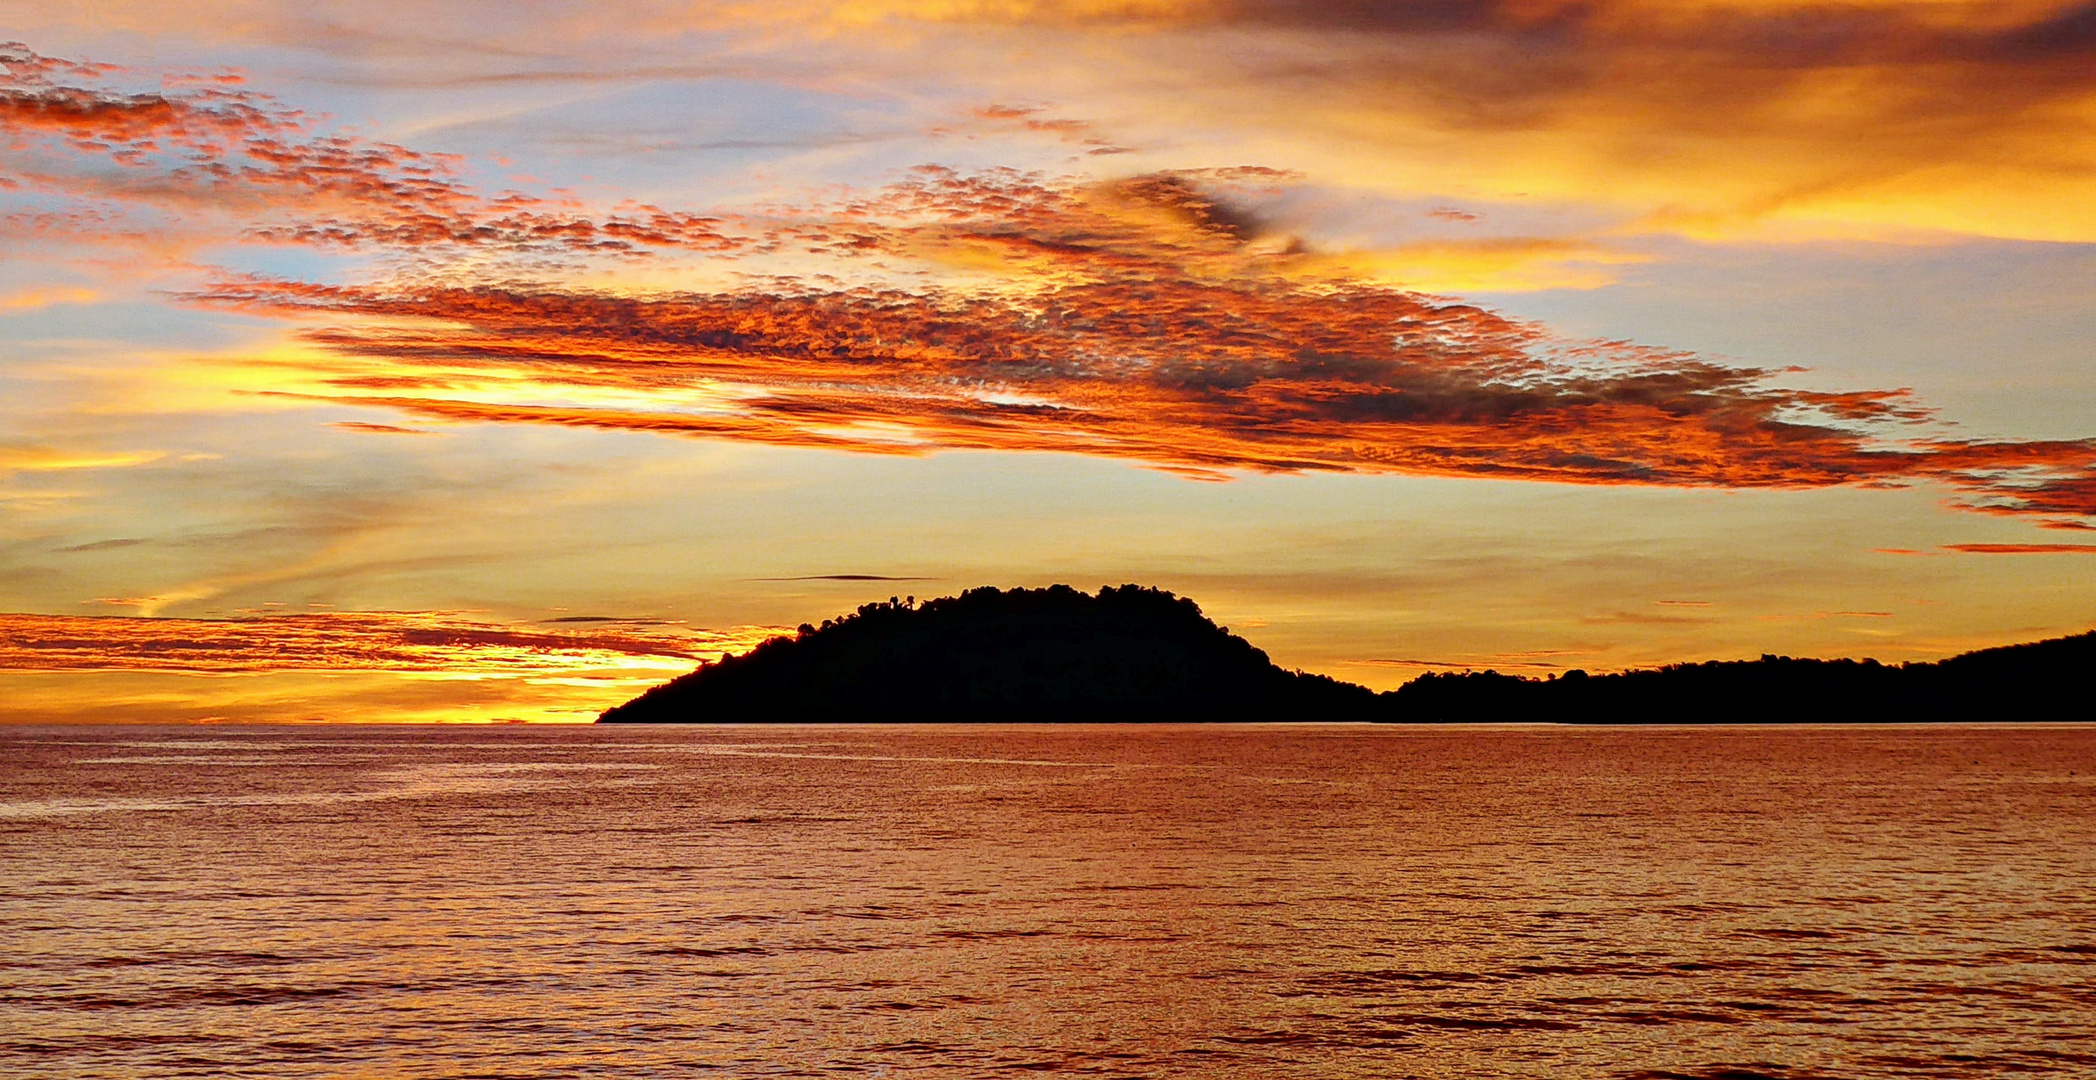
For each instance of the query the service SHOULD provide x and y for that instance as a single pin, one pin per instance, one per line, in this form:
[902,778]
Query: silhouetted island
[1132,653]
[1055,654]
[2043,680]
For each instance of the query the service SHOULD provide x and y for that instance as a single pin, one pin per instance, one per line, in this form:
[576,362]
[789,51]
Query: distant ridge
[1132,653]
[1056,654]
[2043,680]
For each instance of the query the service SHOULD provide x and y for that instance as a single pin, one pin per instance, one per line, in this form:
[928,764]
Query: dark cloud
[2022,549]
[1966,116]
[105,545]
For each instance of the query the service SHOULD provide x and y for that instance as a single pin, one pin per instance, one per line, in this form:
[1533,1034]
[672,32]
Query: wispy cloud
[21,457]
[1704,117]
[1034,120]
[366,428]
[371,666]
[2022,549]
[846,577]
[103,545]
[31,299]
[1647,618]
[353,641]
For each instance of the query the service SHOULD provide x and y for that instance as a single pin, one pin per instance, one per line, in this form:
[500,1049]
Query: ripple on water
[1716,904]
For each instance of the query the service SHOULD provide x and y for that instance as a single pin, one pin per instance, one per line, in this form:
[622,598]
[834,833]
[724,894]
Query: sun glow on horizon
[349,664]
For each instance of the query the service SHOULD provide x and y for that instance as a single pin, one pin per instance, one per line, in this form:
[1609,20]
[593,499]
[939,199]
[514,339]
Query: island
[2043,680]
[1132,653]
[1126,654]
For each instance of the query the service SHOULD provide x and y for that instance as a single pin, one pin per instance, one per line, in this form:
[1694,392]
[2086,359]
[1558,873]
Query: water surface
[1084,901]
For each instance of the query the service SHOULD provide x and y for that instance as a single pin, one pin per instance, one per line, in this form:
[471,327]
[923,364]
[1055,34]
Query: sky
[379,361]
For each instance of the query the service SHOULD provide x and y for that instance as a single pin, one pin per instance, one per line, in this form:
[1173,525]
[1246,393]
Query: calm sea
[1088,901]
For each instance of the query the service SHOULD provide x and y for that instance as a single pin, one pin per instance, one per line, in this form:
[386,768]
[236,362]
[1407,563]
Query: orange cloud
[271,176]
[2022,549]
[1143,320]
[353,641]
[368,667]
[1029,119]
[1718,117]
[361,427]
[20,457]
[1155,318]
[1829,116]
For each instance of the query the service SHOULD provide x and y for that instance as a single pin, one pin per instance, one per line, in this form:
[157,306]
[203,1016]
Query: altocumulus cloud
[239,162]
[1150,319]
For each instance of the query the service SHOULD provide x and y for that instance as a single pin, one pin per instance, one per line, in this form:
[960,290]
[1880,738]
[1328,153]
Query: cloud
[1159,318]
[1823,115]
[239,161]
[2022,549]
[1708,118]
[1646,618]
[1819,615]
[31,299]
[364,428]
[367,667]
[1031,120]
[23,457]
[353,642]
[104,545]
[1149,319]
[846,577]
[1529,660]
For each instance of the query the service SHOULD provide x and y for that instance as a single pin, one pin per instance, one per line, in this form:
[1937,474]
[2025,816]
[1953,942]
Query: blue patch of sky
[1996,334]
[677,143]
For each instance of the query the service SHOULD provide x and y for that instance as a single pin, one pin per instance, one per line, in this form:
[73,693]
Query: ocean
[1263,901]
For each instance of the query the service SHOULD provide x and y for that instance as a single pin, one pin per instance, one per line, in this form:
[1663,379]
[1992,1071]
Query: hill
[2044,680]
[1055,654]
[1131,653]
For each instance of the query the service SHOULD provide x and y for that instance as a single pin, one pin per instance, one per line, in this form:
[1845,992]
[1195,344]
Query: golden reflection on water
[1273,901]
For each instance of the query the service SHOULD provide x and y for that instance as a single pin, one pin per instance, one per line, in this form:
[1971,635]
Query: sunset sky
[388,361]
